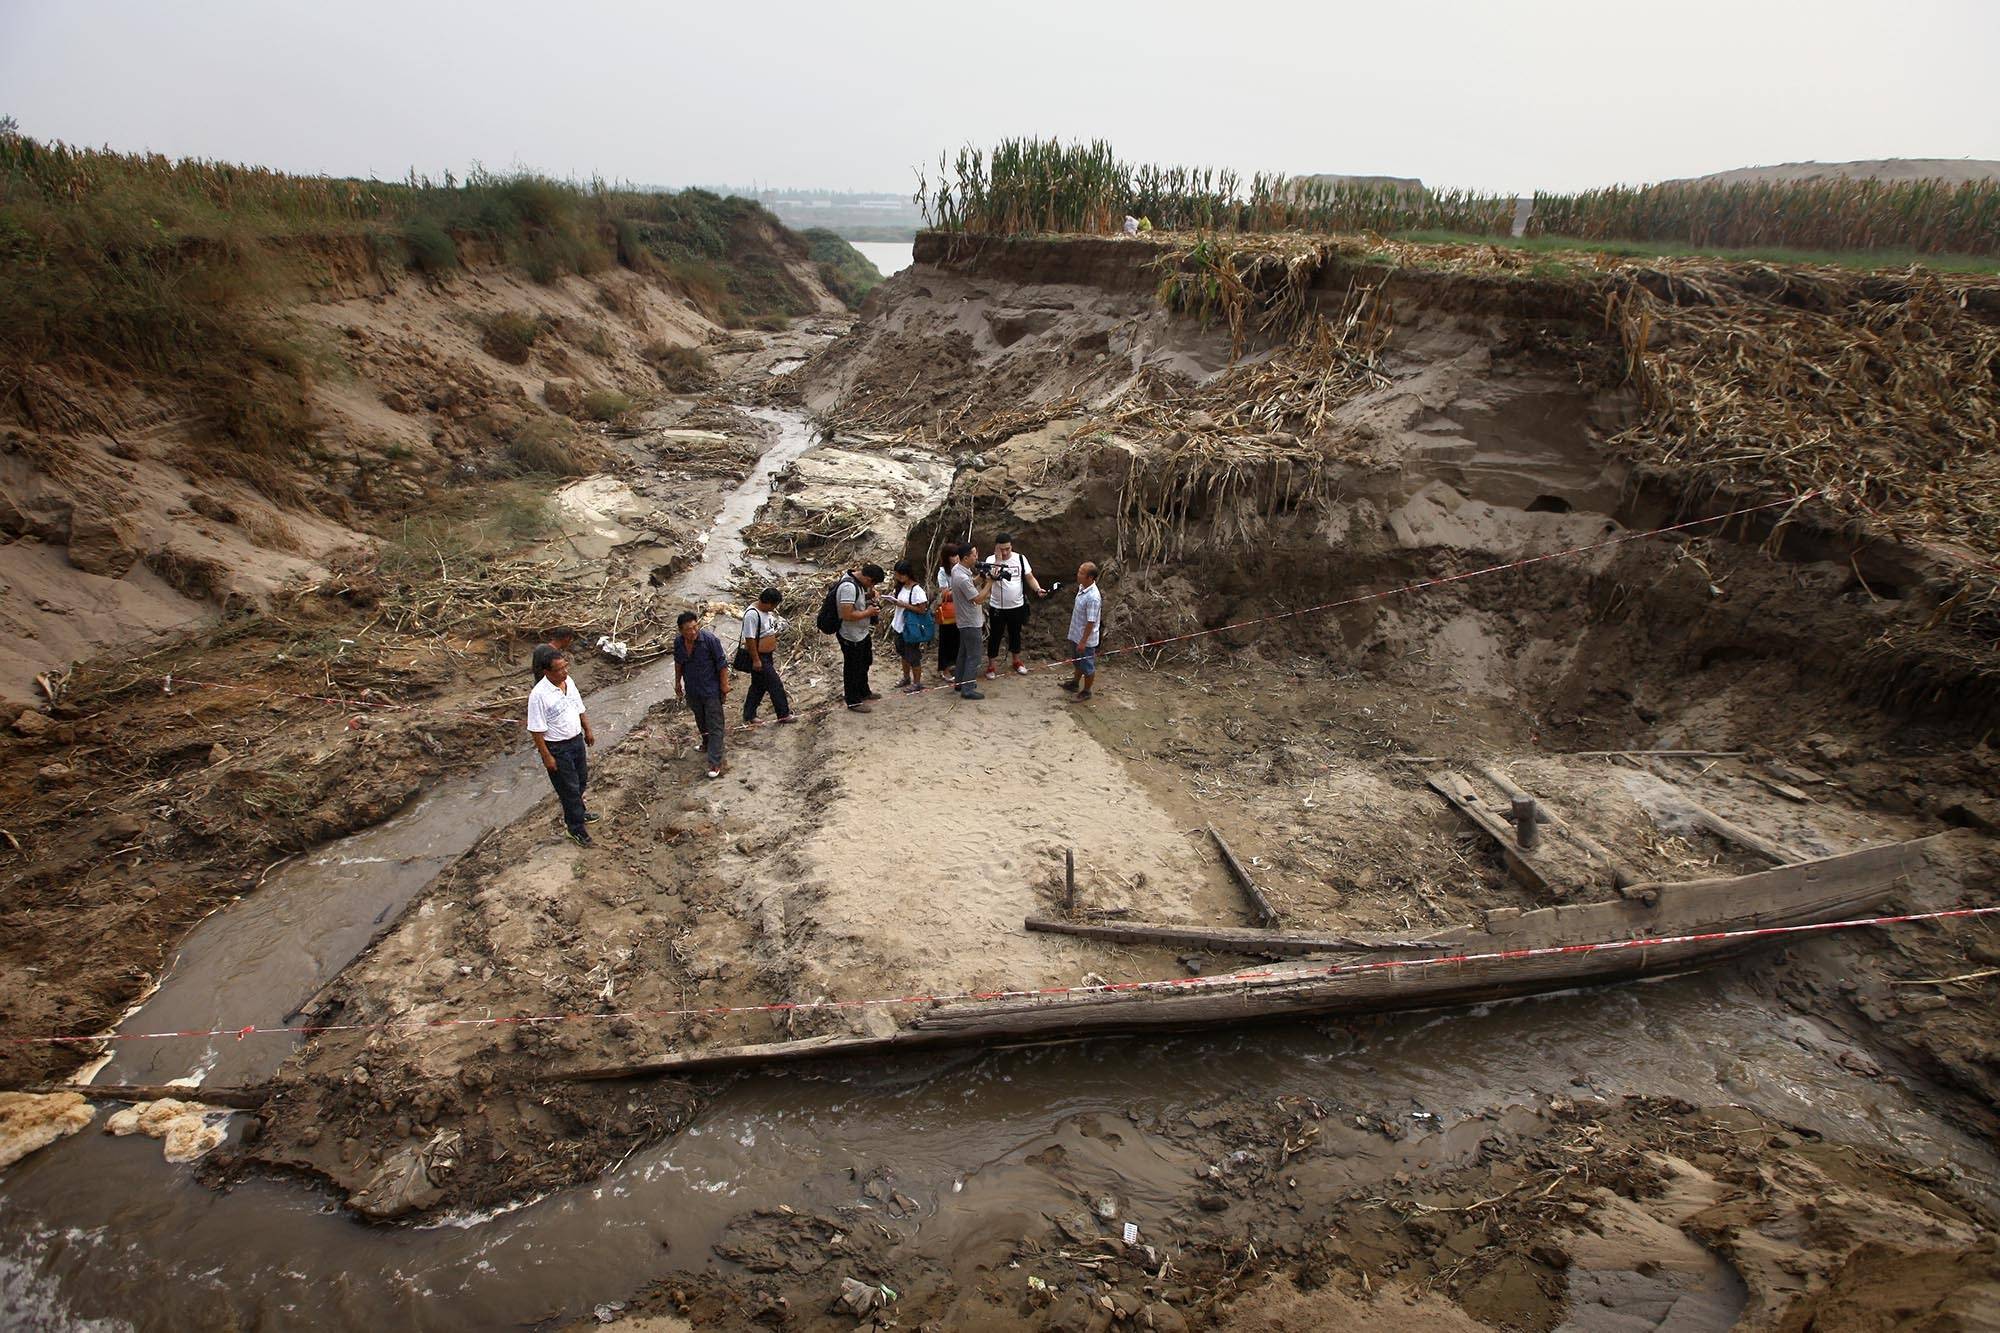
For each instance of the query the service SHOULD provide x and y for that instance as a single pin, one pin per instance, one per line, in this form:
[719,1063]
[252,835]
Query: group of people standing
[980,606]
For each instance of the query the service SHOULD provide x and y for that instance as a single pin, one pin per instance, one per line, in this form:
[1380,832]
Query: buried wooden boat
[1652,930]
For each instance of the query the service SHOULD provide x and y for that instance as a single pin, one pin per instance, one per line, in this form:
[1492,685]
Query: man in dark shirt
[701,676]
[560,638]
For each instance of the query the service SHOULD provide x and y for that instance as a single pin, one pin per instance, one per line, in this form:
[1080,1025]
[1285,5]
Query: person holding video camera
[970,587]
[1013,579]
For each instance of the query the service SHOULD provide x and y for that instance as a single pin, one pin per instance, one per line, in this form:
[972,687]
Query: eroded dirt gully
[346,629]
[1802,1139]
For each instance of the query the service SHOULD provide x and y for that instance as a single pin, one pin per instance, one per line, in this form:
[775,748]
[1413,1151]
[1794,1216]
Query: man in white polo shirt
[1007,611]
[562,731]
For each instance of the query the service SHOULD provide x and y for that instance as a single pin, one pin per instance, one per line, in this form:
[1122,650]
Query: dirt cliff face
[126,517]
[1220,472]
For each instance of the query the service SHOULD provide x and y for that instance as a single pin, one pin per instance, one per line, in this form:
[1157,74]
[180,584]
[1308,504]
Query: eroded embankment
[1459,441]
[859,857]
[1221,462]
[352,616]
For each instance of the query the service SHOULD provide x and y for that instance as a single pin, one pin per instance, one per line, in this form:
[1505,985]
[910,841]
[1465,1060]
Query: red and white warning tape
[1286,976]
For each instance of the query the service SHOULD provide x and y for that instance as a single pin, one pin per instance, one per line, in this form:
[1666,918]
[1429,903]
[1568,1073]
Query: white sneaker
[1020,670]
[715,772]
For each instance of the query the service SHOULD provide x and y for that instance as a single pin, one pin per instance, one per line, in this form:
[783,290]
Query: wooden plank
[1821,890]
[247,1099]
[1226,939]
[1458,793]
[1730,831]
[1260,906]
[1651,754]
[1620,877]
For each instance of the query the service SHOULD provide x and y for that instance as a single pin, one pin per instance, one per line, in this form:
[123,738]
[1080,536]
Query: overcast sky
[1479,93]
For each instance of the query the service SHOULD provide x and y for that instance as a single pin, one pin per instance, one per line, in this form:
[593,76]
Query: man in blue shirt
[701,676]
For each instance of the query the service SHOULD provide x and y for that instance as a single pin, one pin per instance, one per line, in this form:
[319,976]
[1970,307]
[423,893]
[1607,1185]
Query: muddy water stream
[260,959]
[100,1226]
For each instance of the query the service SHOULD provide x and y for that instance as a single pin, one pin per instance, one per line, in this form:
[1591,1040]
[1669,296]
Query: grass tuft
[606,405]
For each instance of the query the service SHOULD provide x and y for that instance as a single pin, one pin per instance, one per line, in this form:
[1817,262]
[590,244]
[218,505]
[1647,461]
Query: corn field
[1044,185]
[1934,217]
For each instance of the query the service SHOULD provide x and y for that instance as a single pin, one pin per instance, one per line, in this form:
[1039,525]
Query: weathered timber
[1260,906]
[1223,939]
[1473,964]
[1620,877]
[1653,754]
[1458,793]
[1730,831]
[242,1099]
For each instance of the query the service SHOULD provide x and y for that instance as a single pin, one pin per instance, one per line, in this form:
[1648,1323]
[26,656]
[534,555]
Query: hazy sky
[1479,93]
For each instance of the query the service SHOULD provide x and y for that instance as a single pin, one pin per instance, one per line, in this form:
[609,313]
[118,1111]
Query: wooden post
[1458,793]
[1621,878]
[1525,819]
[1069,880]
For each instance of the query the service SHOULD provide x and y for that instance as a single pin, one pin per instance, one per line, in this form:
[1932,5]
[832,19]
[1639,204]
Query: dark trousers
[855,659]
[968,660]
[708,720]
[947,648]
[1009,621]
[569,777]
[762,682]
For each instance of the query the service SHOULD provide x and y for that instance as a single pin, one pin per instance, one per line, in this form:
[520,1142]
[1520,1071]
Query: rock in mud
[1078,1226]
[565,396]
[33,724]
[100,543]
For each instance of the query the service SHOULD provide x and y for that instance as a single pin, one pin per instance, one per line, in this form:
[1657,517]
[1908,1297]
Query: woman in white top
[909,599]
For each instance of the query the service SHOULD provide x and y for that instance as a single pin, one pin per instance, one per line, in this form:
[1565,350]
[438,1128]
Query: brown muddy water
[97,1227]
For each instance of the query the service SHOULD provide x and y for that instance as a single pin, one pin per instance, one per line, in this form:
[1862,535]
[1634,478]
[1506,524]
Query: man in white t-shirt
[1086,628]
[561,731]
[1007,609]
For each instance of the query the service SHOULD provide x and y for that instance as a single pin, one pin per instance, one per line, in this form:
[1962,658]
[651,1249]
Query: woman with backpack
[912,625]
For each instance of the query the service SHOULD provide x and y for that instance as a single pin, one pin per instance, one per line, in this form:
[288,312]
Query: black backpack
[829,610]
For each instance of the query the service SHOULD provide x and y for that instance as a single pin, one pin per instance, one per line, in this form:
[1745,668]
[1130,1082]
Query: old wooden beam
[1621,878]
[1223,939]
[1730,831]
[1458,793]
[1260,906]
[243,1099]
[1651,754]
[1816,891]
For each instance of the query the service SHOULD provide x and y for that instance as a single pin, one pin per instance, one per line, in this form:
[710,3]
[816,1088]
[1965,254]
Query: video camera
[986,569]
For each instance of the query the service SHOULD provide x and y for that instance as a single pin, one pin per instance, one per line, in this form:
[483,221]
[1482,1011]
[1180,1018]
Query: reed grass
[1045,185]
